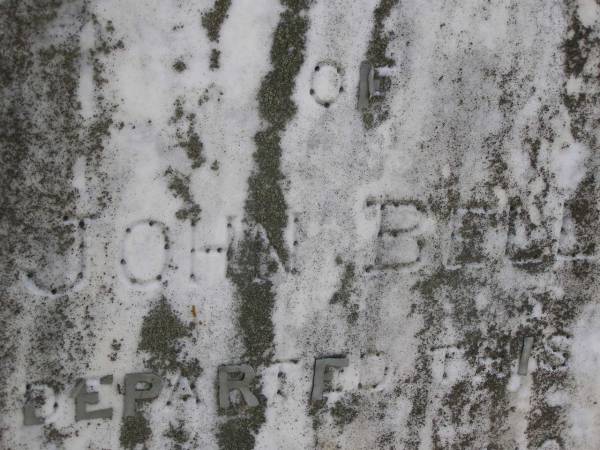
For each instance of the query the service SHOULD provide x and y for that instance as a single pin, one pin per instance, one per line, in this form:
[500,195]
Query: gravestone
[299,224]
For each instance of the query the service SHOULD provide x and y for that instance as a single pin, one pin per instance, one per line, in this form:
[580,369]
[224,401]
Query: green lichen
[252,262]
[214,59]
[577,46]
[377,56]
[187,138]
[265,206]
[214,18]
[250,273]
[160,337]
[43,135]
[53,436]
[179,185]
[266,202]
[377,50]
[344,293]
[345,410]
[177,434]
[179,66]
[585,215]
[239,433]
[178,112]
[134,430]
[191,143]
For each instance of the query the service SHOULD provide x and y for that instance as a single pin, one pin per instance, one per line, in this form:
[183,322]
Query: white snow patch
[569,166]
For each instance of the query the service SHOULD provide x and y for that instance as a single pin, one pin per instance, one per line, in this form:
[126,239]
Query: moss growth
[53,436]
[473,236]
[345,292]
[239,433]
[537,255]
[251,262]
[43,135]
[577,47]
[457,400]
[177,434]
[192,145]
[544,421]
[287,55]
[430,308]
[316,411]
[179,185]
[420,395]
[134,430]
[250,272]
[586,215]
[190,368]
[179,66]
[265,206]
[377,56]
[57,336]
[188,139]
[342,295]
[214,59]
[160,332]
[480,339]
[266,203]
[345,410]
[160,337]
[376,52]
[178,113]
[214,18]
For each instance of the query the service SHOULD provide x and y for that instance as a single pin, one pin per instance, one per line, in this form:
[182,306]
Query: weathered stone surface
[409,187]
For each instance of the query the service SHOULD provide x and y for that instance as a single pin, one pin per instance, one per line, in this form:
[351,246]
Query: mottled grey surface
[188,185]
